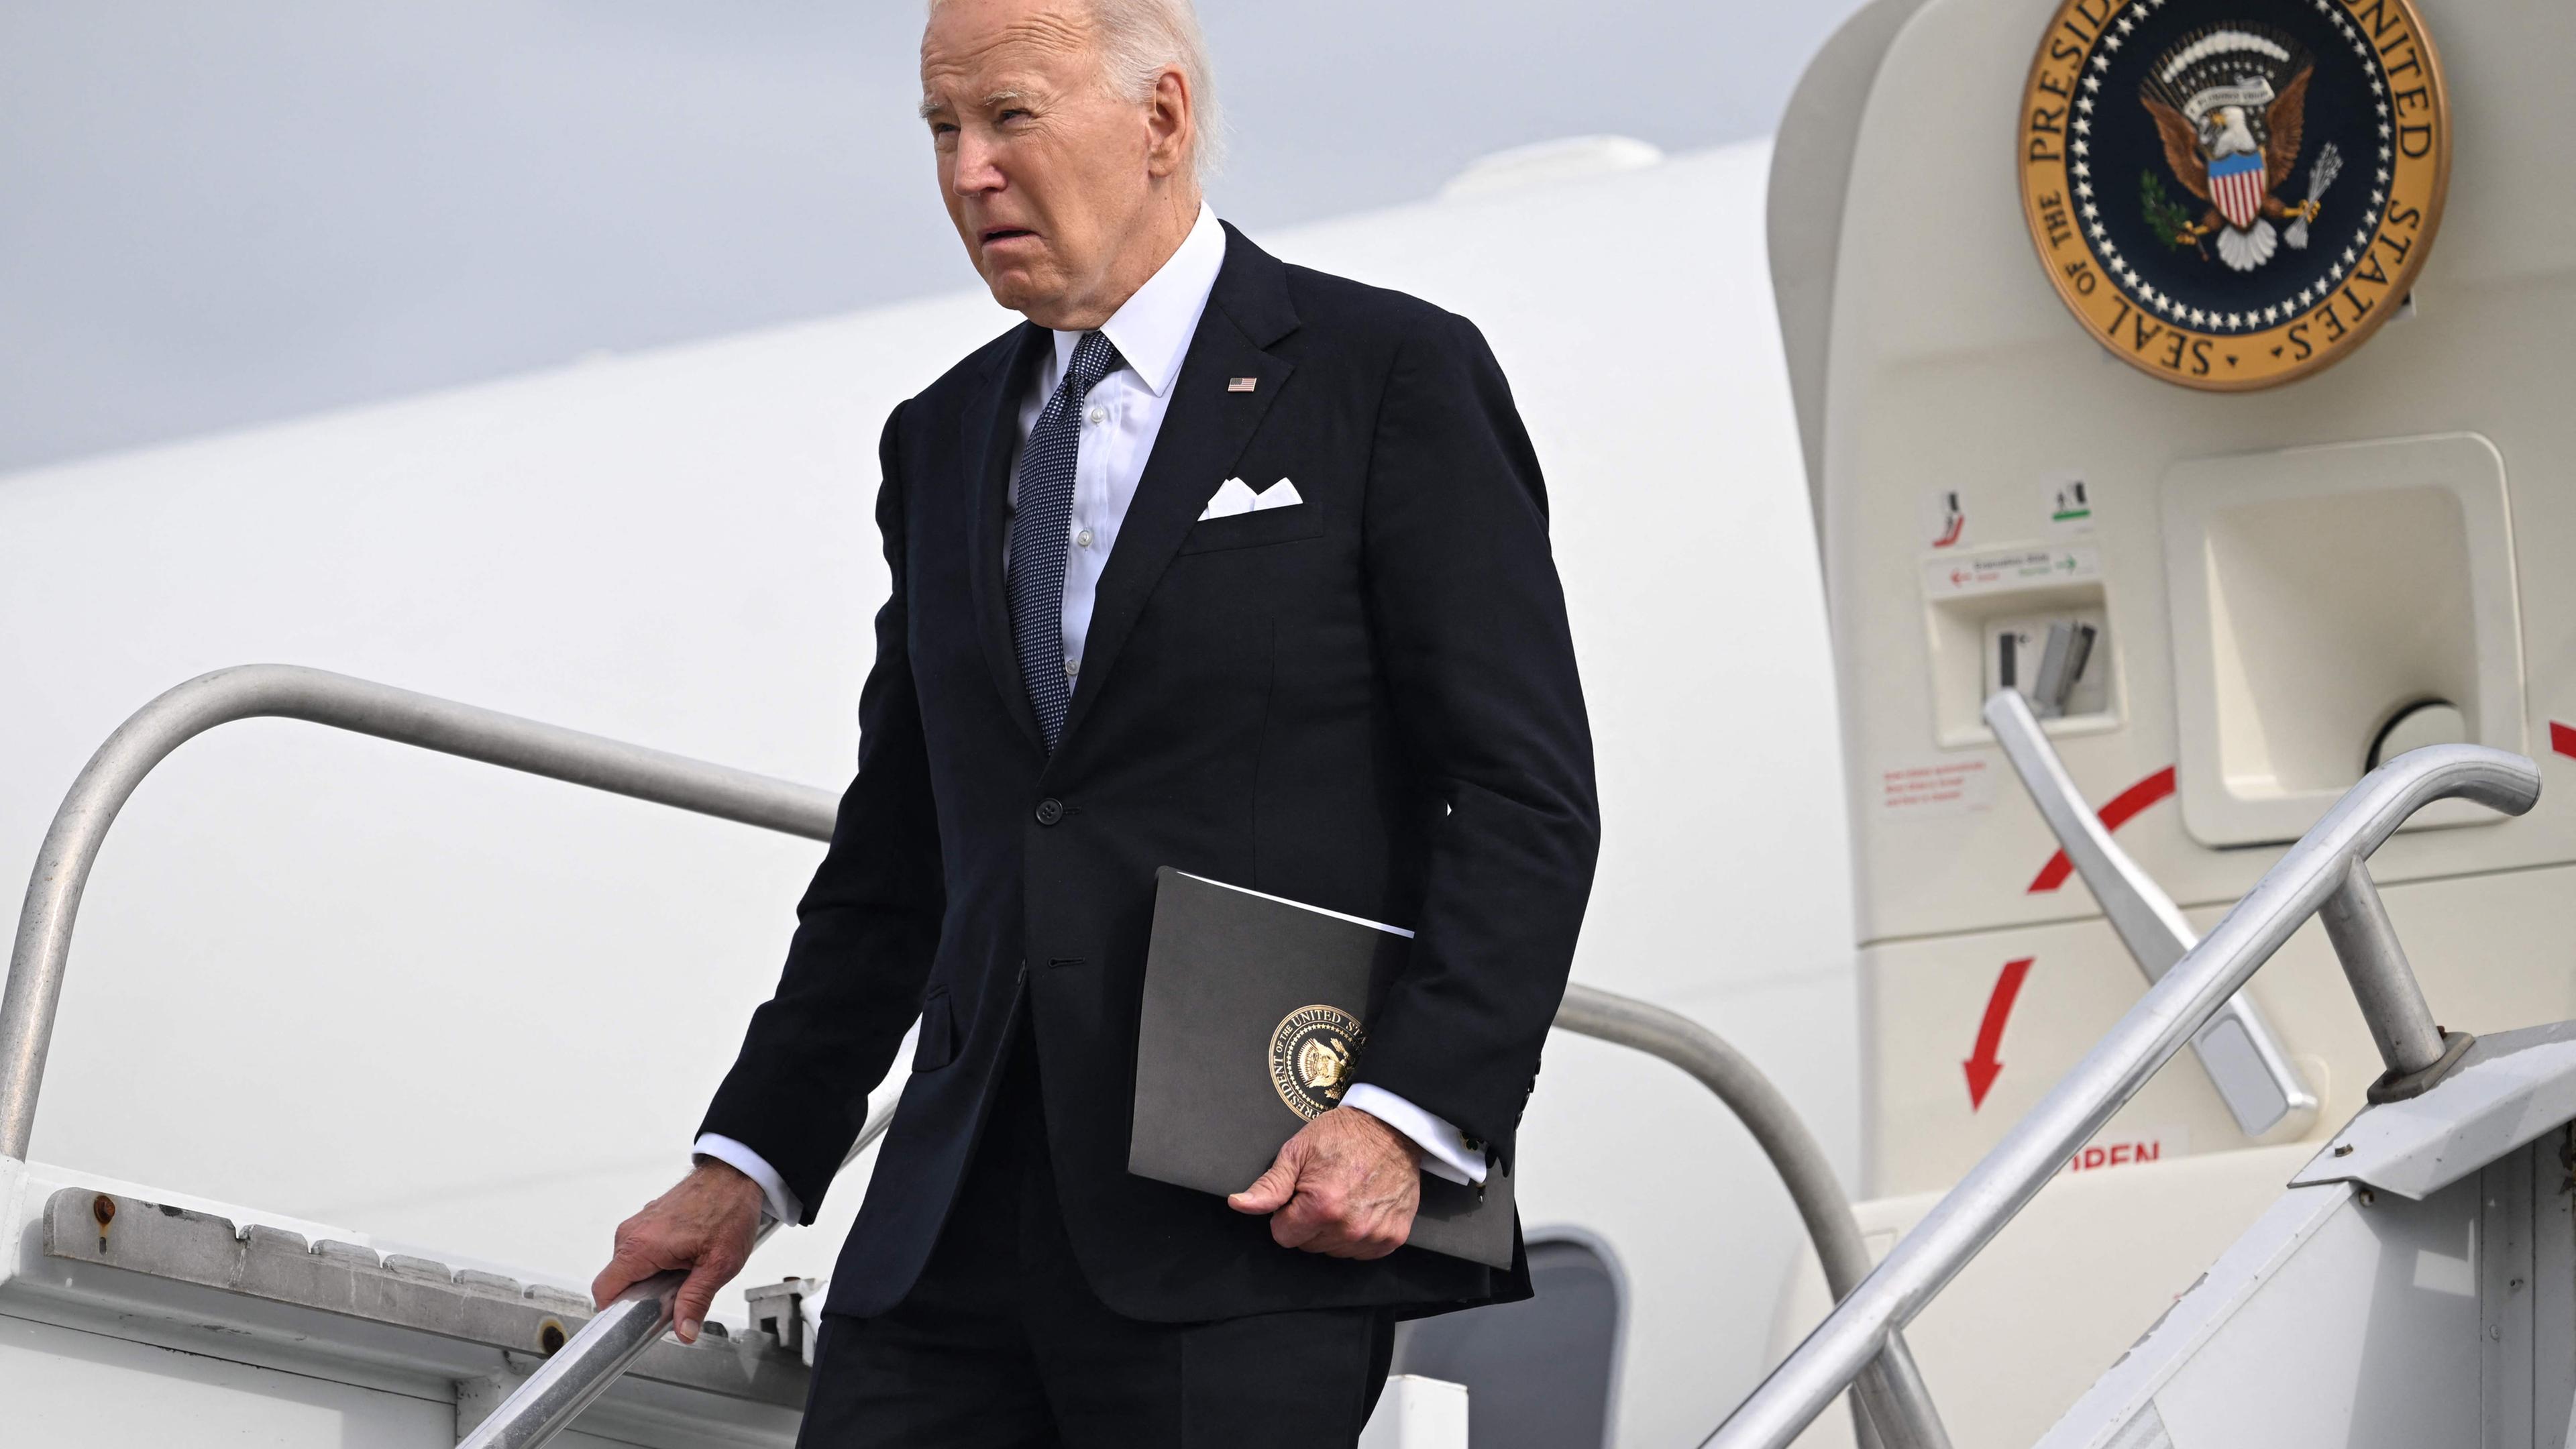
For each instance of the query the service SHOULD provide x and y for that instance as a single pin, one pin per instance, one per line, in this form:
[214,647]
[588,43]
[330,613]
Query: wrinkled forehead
[974,48]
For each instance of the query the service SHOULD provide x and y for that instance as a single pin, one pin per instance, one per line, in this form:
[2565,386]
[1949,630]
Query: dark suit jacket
[1367,702]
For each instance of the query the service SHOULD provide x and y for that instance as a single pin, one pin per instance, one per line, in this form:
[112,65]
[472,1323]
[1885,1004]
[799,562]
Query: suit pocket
[937,1045]
[1243,530]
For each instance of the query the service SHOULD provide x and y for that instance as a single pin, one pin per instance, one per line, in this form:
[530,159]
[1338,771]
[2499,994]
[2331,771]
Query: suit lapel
[1205,430]
[991,438]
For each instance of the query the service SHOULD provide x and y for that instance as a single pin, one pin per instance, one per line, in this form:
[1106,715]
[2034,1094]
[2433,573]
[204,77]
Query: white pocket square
[1235,496]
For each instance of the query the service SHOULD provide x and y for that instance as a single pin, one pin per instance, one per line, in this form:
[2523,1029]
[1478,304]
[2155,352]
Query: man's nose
[978,166]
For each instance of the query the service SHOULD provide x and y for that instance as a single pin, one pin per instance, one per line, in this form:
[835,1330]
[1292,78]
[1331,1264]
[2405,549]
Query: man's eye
[1013,114]
[942,130]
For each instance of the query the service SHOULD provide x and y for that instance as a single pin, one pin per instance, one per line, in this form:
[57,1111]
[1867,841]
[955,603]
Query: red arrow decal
[1983,1068]
[2122,808]
[2562,738]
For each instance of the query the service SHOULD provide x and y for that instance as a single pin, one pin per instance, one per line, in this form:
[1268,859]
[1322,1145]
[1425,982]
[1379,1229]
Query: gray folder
[1255,1019]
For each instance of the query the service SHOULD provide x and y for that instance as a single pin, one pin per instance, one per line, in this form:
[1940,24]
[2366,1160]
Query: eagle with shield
[2229,102]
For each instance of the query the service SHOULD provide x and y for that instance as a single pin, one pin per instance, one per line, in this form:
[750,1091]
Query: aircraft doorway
[1539,1374]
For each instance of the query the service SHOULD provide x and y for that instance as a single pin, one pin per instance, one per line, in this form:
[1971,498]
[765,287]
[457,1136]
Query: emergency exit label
[2009,568]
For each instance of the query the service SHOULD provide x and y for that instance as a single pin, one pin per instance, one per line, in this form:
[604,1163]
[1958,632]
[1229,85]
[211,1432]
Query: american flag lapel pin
[1241,384]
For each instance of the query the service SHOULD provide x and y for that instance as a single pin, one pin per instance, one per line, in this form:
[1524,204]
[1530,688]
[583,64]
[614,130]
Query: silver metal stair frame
[2323,874]
[2237,1049]
[1890,1405]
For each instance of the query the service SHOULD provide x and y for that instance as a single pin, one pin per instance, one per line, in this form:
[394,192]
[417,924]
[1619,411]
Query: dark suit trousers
[1002,1343]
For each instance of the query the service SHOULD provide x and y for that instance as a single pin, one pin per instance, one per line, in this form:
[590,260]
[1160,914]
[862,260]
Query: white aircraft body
[453,1011]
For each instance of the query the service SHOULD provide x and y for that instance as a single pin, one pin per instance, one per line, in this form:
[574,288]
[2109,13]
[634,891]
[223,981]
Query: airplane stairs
[2416,1285]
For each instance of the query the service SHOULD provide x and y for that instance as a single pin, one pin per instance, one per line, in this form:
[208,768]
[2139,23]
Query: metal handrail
[2323,866]
[288,691]
[1893,1396]
[2271,1102]
[1890,1397]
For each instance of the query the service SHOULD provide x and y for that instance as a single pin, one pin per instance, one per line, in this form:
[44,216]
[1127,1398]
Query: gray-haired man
[1359,694]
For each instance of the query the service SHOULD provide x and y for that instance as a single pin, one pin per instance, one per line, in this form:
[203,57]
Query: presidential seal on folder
[1311,1055]
[1255,1021]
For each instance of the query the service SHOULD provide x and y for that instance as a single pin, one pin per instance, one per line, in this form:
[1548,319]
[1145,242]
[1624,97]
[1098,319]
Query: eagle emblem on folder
[1312,1055]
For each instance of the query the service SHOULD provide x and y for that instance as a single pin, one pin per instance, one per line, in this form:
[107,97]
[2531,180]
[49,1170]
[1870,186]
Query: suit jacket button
[1050,810]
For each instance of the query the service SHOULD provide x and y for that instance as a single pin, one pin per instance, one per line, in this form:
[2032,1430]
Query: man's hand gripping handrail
[580,1371]
[2322,872]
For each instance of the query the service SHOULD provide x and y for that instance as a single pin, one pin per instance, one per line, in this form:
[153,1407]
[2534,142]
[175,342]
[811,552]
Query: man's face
[1044,171]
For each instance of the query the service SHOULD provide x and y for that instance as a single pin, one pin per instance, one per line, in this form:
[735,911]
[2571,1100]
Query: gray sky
[213,215]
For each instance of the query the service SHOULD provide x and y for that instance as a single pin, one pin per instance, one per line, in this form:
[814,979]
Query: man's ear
[1171,124]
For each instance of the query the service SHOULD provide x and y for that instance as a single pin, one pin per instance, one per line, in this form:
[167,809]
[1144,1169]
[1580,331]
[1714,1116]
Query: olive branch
[2166,217]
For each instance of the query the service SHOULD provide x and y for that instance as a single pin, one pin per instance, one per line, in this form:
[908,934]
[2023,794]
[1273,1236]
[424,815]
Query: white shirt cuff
[777,1201]
[1445,1153]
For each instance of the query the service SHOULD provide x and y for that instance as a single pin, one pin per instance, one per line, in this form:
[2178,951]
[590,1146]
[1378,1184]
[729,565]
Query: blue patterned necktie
[1039,535]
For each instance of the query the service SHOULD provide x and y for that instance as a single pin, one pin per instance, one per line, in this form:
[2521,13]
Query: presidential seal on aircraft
[2231,194]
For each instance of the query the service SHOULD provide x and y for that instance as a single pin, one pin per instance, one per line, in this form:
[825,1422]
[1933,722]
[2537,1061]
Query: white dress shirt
[1120,421]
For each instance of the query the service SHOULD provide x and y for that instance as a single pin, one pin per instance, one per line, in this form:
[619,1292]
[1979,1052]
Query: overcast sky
[213,215]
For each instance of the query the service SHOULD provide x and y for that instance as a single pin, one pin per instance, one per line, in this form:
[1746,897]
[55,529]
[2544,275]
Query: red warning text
[2098,1155]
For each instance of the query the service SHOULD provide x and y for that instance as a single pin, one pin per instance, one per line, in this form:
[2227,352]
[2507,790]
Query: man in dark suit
[1214,563]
